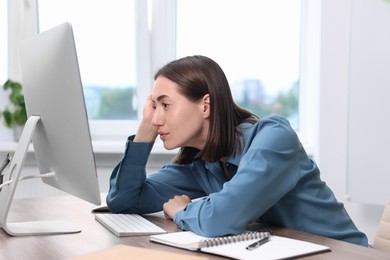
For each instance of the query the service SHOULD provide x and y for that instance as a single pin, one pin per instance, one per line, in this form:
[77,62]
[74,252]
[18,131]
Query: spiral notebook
[236,246]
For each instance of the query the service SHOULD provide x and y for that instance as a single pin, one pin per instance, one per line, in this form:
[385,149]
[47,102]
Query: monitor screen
[53,91]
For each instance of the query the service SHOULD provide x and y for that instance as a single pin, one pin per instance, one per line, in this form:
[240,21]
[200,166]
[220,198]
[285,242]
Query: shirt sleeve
[132,191]
[267,171]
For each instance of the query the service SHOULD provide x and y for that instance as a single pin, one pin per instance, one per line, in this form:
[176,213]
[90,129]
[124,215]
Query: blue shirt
[273,181]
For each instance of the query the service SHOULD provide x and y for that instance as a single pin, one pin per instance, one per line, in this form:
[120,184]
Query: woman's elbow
[219,228]
[116,204]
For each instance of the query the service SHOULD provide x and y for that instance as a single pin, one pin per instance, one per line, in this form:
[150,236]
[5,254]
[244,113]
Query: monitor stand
[12,175]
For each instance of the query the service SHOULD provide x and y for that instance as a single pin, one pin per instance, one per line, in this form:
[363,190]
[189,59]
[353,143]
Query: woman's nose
[157,118]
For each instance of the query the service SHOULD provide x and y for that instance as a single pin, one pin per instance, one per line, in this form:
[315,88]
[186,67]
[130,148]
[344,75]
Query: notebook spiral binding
[219,241]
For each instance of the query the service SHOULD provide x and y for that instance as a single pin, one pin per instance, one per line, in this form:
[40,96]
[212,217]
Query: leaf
[17,98]
[8,120]
[7,84]
[20,116]
[16,112]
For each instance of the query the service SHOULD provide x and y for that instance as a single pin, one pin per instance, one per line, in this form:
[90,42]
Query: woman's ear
[206,106]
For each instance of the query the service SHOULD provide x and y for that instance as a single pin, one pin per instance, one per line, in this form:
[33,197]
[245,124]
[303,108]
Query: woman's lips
[163,135]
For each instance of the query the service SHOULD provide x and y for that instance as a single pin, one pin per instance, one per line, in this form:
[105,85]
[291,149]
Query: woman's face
[180,121]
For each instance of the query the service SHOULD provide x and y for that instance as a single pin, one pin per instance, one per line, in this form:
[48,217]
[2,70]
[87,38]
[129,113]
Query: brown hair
[197,76]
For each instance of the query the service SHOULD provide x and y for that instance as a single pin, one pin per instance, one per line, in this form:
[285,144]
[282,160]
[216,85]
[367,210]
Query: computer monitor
[57,124]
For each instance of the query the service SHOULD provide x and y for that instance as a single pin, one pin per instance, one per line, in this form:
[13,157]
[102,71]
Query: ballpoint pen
[258,243]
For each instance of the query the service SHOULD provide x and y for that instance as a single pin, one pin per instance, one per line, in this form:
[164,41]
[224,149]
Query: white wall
[333,125]
[369,107]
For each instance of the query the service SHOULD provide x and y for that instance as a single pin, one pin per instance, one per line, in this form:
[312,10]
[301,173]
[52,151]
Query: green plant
[15,113]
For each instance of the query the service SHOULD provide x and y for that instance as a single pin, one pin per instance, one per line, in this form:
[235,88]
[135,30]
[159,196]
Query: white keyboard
[128,224]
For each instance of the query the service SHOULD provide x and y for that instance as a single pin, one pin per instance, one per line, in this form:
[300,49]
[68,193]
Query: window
[111,41]
[105,39]
[257,44]
[260,60]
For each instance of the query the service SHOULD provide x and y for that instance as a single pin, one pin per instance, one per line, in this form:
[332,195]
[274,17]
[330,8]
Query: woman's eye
[165,105]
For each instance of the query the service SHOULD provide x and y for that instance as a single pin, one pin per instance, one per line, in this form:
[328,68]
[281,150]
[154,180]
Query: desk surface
[95,237]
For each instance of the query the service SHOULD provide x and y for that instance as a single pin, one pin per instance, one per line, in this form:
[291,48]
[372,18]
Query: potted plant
[14,115]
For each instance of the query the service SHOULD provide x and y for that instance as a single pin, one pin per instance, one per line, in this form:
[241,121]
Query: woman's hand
[149,109]
[174,205]
[147,132]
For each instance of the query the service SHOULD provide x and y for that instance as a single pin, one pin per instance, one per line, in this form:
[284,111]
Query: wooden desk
[95,237]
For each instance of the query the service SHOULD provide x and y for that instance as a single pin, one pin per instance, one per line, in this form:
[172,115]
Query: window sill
[115,147]
[99,147]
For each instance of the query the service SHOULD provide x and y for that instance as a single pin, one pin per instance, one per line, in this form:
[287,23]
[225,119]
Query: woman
[246,168]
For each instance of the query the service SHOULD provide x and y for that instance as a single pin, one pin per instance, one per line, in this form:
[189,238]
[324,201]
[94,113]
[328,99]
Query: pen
[258,243]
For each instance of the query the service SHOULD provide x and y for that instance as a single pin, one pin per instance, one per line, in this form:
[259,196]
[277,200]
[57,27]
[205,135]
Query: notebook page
[276,248]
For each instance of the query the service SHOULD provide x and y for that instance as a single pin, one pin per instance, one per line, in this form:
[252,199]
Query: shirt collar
[246,129]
